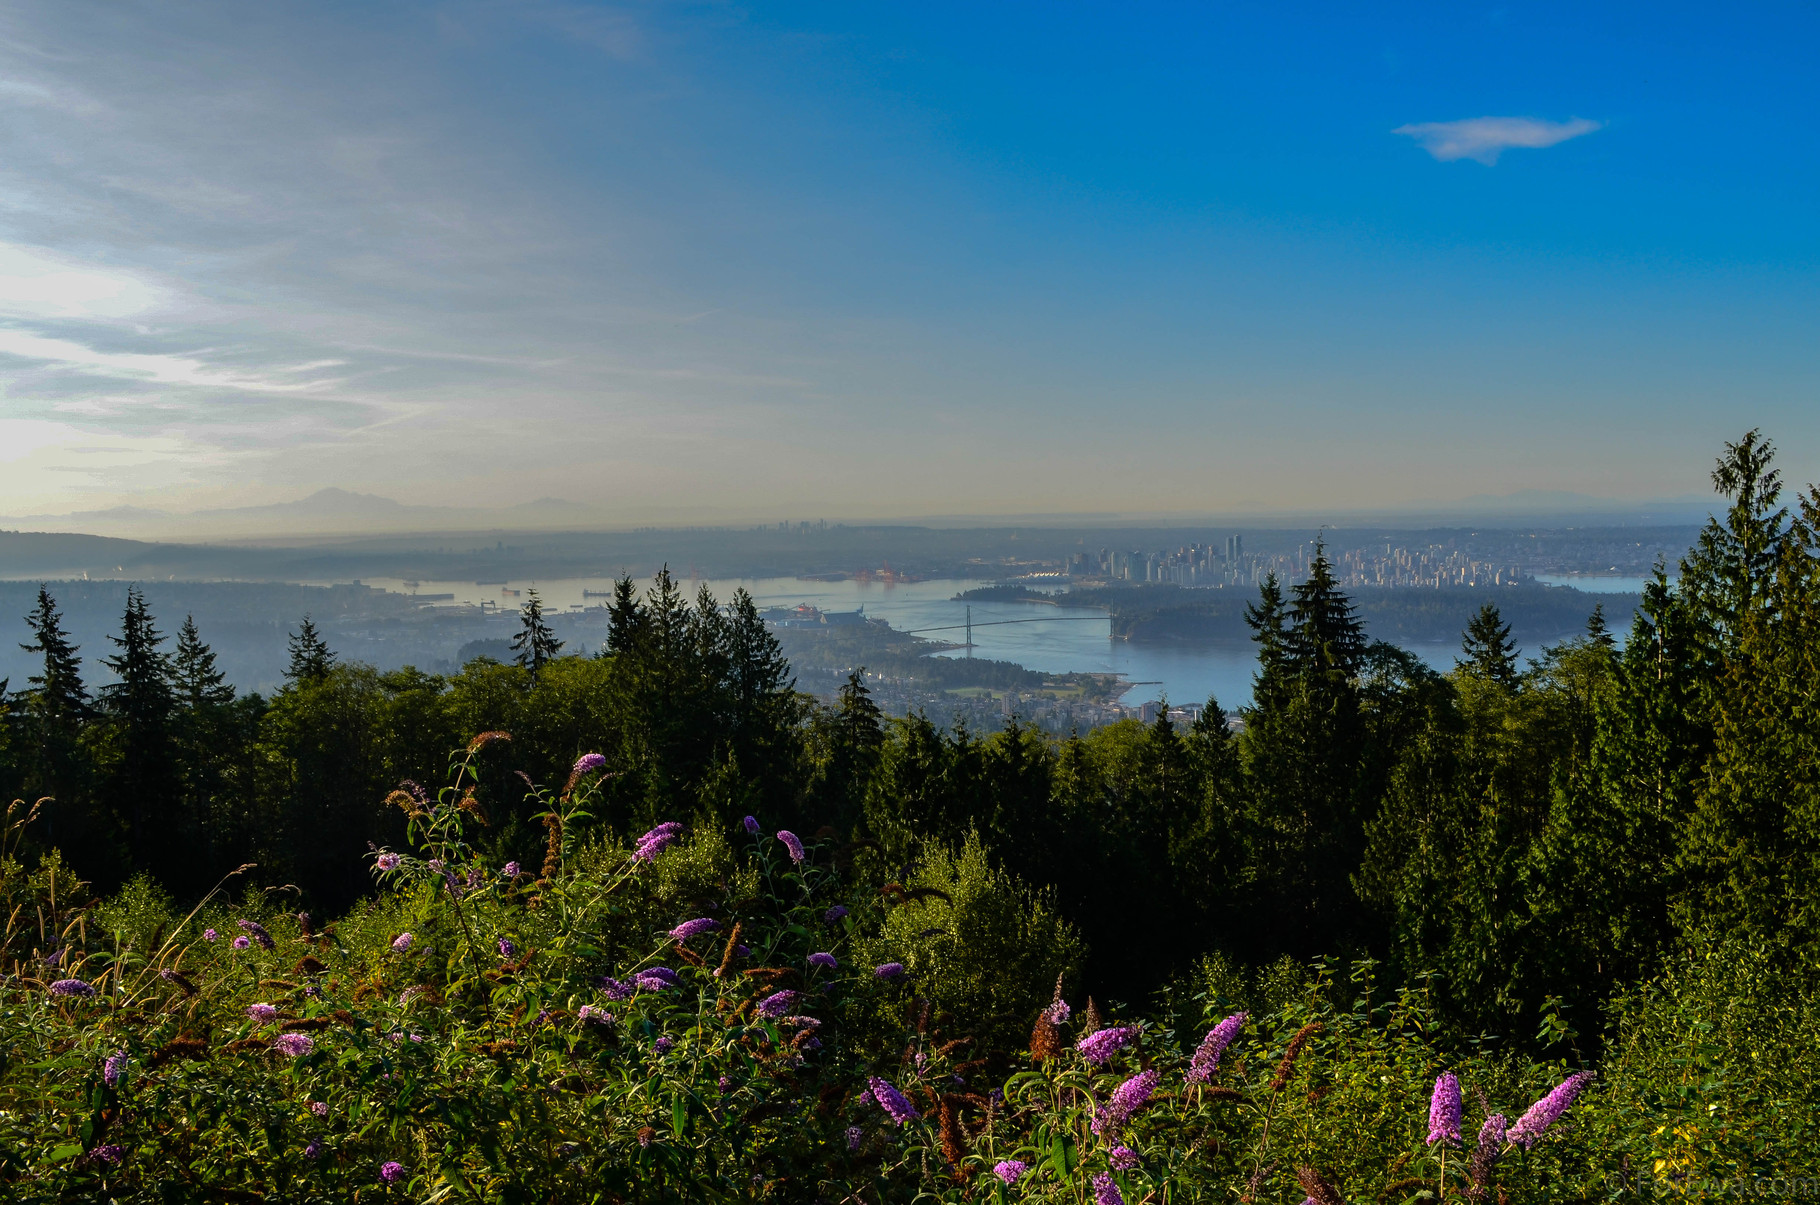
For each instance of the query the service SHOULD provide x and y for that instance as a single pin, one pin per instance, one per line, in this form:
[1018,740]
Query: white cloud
[1483,139]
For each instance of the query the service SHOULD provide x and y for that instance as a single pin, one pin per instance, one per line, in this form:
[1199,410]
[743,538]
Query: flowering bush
[585,1037]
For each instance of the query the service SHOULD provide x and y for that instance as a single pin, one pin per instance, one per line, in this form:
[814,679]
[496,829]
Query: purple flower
[824,960]
[391,1173]
[511,870]
[656,979]
[387,863]
[506,948]
[1099,1046]
[1126,1099]
[293,1045]
[1123,1158]
[836,914]
[588,1014]
[314,1150]
[889,970]
[257,932]
[108,1154]
[778,1003]
[1547,1111]
[854,1135]
[209,935]
[114,1068]
[262,1012]
[1444,1110]
[1010,1171]
[892,1101]
[320,1108]
[243,942]
[402,942]
[694,928]
[71,987]
[587,764]
[803,1022]
[752,829]
[1059,1012]
[656,841]
[615,989]
[1105,1192]
[792,844]
[664,1044]
[1206,1059]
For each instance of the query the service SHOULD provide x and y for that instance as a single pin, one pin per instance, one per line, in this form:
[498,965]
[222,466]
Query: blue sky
[676,261]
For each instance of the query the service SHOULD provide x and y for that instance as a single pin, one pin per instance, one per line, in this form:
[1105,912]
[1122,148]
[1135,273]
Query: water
[1048,639]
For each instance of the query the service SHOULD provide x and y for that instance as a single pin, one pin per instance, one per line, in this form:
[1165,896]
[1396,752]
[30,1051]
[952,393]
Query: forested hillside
[1606,862]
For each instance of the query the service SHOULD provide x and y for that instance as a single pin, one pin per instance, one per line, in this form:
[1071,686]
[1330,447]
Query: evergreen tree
[852,736]
[142,782]
[57,706]
[311,659]
[194,676]
[1596,631]
[1488,649]
[1325,633]
[536,642]
[626,620]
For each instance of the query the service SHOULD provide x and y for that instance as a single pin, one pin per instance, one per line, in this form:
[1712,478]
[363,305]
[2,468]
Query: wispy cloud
[1483,139]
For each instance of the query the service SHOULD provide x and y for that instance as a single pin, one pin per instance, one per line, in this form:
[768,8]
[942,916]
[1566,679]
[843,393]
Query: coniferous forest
[653,926]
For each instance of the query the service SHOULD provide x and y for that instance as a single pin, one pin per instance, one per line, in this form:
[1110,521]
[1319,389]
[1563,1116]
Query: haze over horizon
[800,260]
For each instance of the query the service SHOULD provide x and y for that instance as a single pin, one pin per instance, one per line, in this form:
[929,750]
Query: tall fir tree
[311,659]
[57,708]
[197,680]
[1487,649]
[142,781]
[536,643]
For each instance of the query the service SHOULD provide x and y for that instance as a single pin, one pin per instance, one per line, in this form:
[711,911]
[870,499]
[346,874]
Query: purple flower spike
[824,960]
[1058,1012]
[1206,1059]
[319,1108]
[257,932]
[656,979]
[752,829]
[854,1135]
[114,1068]
[694,928]
[1444,1110]
[778,1003]
[110,1153]
[1123,1158]
[1547,1111]
[506,948]
[72,987]
[664,1044]
[1105,1191]
[589,1014]
[387,863]
[314,1150]
[209,935]
[1126,1100]
[391,1172]
[1099,1046]
[511,870]
[836,914]
[892,1101]
[656,841]
[293,1045]
[615,989]
[1010,1171]
[402,942]
[792,844]
[587,764]
[889,970]
[243,942]
[263,1013]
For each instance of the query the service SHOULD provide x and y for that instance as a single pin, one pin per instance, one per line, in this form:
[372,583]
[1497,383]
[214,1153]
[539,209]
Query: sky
[799,260]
